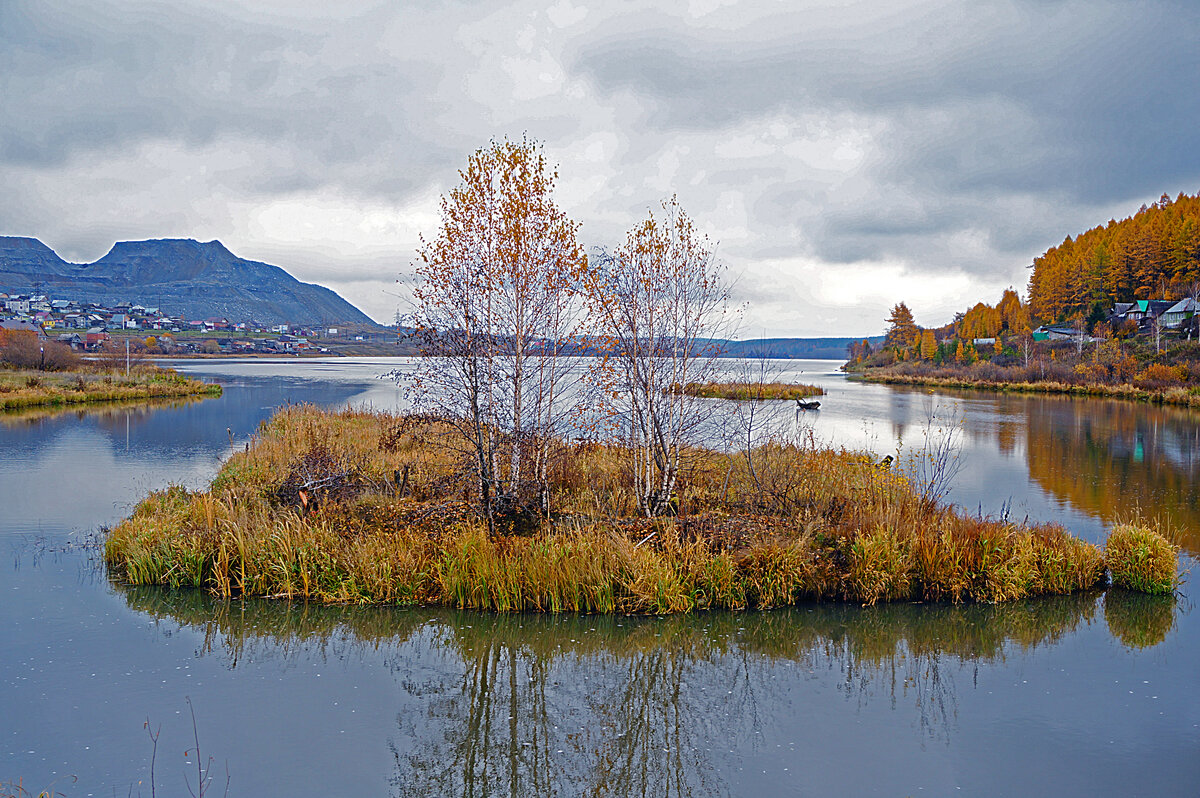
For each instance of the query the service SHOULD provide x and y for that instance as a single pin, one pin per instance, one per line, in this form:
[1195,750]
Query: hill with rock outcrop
[179,276]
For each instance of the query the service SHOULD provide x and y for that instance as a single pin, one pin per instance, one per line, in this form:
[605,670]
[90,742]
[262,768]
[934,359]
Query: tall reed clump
[1141,559]
[364,507]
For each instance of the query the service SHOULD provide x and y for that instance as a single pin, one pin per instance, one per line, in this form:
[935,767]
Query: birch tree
[498,308]
[661,300]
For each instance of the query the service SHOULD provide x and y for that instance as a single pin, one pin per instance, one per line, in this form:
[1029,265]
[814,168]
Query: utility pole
[127,358]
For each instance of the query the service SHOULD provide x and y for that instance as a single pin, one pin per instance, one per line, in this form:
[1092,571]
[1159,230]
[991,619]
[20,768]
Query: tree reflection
[1115,459]
[617,706]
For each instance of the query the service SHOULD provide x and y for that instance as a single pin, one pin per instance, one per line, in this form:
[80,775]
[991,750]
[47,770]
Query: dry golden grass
[1142,559]
[752,391]
[400,528]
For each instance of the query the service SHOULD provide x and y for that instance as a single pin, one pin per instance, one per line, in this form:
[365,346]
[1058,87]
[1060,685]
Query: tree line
[1154,254]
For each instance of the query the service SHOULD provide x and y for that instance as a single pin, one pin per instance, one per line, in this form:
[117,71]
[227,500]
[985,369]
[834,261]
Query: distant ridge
[797,348]
[180,276]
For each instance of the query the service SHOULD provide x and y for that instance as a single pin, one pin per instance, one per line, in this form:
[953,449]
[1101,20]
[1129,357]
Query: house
[1177,314]
[96,336]
[17,304]
[1056,333]
[73,340]
[23,326]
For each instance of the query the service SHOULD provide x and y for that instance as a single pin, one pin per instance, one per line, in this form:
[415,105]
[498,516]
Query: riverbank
[1173,395]
[21,388]
[387,518]
[1116,369]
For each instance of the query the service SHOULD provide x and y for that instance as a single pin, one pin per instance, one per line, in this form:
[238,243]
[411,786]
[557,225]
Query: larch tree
[902,330]
[498,308]
[661,300]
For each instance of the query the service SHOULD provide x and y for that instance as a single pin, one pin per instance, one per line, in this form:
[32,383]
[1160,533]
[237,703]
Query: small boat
[803,405]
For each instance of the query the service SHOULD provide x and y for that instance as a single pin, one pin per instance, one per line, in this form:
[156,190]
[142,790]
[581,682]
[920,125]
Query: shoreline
[1176,396]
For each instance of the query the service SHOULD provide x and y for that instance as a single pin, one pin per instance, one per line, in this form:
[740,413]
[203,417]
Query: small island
[37,373]
[356,506]
[752,391]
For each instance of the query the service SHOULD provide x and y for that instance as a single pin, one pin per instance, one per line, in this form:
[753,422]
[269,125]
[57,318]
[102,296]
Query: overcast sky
[844,155]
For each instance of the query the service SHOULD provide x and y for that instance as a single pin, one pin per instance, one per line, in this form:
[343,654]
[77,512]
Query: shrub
[1141,559]
[1158,375]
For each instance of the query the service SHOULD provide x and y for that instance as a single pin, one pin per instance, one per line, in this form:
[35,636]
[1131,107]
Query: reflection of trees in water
[614,706]
[1115,458]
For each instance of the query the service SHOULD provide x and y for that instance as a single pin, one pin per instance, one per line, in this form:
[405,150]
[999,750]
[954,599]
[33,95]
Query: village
[89,326]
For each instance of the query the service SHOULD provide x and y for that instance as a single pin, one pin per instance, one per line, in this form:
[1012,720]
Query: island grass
[27,388]
[1142,559]
[808,524]
[752,391]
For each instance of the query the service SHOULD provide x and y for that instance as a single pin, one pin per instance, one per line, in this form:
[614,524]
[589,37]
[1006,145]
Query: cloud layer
[845,156]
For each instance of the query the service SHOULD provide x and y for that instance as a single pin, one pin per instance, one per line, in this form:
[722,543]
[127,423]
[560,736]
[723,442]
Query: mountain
[179,276]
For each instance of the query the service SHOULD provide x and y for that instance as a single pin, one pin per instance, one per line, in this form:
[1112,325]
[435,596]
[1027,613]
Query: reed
[1142,559]
[397,525]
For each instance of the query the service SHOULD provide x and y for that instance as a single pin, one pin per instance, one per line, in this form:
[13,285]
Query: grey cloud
[80,80]
[1085,103]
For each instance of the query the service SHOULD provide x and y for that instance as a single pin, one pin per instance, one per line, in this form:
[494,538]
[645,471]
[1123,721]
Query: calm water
[1085,695]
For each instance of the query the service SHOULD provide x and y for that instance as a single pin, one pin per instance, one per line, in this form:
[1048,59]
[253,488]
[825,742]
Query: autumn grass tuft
[395,523]
[1142,559]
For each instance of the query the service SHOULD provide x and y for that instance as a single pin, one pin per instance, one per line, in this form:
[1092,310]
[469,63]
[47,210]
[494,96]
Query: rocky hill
[179,276]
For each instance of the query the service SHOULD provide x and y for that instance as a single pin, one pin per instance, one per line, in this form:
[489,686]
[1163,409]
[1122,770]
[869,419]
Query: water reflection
[99,411]
[1139,620]
[1116,459]
[599,705]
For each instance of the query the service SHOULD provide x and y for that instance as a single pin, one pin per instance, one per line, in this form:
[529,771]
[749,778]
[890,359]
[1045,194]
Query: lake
[1091,694]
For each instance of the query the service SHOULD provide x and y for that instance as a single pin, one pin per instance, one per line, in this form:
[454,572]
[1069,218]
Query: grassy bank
[1172,395]
[1118,369]
[22,388]
[751,391]
[395,524]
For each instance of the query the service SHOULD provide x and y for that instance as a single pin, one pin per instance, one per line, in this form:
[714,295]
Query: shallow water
[1084,695]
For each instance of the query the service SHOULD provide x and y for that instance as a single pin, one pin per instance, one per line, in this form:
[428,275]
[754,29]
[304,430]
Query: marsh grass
[1142,558]
[752,391]
[21,389]
[809,524]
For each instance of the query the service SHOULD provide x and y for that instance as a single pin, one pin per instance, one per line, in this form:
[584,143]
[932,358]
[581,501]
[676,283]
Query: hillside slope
[180,276]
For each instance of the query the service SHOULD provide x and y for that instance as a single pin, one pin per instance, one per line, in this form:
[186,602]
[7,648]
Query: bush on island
[1141,559]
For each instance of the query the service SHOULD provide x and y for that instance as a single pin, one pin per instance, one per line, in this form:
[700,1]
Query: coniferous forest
[1154,254]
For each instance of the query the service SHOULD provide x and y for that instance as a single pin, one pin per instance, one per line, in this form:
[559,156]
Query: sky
[842,156]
